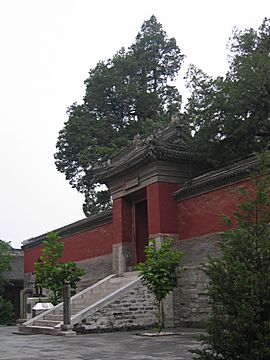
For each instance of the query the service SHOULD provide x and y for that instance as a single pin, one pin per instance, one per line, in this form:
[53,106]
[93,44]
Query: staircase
[83,304]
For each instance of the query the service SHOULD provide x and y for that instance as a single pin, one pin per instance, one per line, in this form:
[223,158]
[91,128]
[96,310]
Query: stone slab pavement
[119,345]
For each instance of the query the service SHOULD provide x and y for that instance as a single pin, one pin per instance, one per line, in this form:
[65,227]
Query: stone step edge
[47,312]
[84,313]
[107,300]
[45,330]
[35,329]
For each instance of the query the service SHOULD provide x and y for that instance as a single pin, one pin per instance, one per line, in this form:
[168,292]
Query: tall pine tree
[125,95]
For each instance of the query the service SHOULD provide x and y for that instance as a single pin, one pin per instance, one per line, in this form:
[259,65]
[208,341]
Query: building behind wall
[158,190]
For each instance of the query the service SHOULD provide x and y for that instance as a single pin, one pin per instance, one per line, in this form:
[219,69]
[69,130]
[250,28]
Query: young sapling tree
[160,272]
[52,274]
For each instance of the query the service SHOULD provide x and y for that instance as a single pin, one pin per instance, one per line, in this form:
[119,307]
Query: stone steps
[46,323]
[60,312]
[58,318]
[30,330]
[84,303]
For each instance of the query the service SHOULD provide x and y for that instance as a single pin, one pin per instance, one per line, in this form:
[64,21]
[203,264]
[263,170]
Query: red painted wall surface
[162,208]
[196,216]
[122,220]
[201,215]
[30,257]
[80,246]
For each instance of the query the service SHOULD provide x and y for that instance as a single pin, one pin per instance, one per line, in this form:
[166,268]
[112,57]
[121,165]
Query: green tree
[239,289]
[228,113]
[5,256]
[6,307]
[160,272]
[52,274]
[128,94]
[157,61]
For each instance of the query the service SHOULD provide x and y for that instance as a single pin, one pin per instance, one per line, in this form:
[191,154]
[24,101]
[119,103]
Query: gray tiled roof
[73,228]
[233,172]
[169,143]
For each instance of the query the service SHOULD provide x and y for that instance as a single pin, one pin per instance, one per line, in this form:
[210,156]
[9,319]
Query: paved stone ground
[116,345]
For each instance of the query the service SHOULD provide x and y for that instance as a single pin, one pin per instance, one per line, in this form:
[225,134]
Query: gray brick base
[190,300]
[135,310]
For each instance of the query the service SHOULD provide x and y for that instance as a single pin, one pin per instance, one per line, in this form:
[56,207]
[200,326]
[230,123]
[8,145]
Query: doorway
[140,230]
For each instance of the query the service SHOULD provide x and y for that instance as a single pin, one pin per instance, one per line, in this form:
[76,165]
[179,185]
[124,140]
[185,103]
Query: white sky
[47,49]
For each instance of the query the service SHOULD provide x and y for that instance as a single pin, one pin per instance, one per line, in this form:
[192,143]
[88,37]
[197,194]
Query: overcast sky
[47,49]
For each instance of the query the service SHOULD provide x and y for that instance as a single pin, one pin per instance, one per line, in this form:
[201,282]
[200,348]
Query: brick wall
[201,214]
[190,300]
[82,245]
[96,269]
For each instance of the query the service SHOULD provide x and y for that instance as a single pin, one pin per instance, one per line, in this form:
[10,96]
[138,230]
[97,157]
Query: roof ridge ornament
[137,140]
[167,143]
[175,119]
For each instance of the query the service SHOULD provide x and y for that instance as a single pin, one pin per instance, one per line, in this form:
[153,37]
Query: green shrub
[6,313]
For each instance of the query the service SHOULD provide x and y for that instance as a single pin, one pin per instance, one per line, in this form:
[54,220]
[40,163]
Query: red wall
[201,215]
[122,220]
[162,208]
[80,246]
[195,216]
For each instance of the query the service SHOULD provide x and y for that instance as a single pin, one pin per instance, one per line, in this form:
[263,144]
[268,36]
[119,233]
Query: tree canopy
[227,114]
[6,307]
[128,94]
[133,93]
[5,258]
